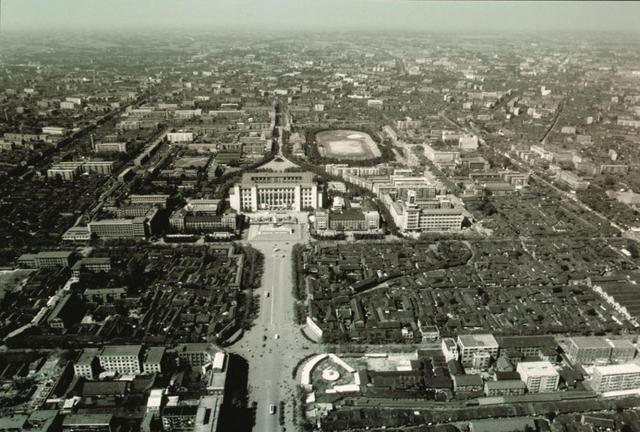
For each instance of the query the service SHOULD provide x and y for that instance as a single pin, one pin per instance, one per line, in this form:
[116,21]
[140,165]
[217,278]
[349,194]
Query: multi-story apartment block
[151,200]
[615,377]
[123,359]
[46,259]
[432,215]
[352,219]
[539,377]
[622,350]
[196,354]
[86,365]
[153,360]
[588,350]
[110,147]
[476,349]
[504,388]
[120,228]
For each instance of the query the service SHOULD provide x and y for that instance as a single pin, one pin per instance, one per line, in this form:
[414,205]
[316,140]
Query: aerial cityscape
[429,222]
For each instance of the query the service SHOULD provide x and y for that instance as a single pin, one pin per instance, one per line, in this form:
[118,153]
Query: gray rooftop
[121,350]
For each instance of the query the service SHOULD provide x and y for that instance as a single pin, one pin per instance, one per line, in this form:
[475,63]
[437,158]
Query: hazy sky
[322,14]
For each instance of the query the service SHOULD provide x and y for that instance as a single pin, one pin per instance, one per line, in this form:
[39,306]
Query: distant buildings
[628,122]
[68,171]
[46,259]
[54,130]
[442,158]
[572,180]
[110,147]
[275,191]
[179,137]
[159,201]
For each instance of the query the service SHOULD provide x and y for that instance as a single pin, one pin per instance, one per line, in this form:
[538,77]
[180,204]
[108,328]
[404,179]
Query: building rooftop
[478,340]
[624,368]
[505,384]
[154,354]
[621,343]
[121,350]
[87,419]
[590,342]
[538,368]
[87,355]
[252,178]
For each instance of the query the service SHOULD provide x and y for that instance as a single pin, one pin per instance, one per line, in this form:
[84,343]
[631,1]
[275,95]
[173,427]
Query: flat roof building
[615,377]
[588,350]
[46,259]
[256,191]
[539,377]
[476,347]
[124,359]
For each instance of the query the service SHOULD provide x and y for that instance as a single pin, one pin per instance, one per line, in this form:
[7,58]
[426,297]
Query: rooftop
[154,354]
[277,178]
[590,342]
[538,368]
[624,368]
[121,350]
[478,340]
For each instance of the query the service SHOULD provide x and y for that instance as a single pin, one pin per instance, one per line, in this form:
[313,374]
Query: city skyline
[352,15]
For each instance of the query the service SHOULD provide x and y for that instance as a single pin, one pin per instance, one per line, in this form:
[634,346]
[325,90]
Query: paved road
[271,360]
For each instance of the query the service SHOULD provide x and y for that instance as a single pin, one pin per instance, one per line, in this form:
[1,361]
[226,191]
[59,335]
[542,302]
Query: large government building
[257,191]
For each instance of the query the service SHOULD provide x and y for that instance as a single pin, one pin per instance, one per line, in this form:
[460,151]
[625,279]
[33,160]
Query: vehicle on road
[267,294]
[272,409]
[277,336]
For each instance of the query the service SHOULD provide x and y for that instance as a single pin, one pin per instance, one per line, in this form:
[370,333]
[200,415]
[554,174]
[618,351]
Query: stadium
[344,144]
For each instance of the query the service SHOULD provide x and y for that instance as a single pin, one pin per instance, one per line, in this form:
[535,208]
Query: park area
[346,145]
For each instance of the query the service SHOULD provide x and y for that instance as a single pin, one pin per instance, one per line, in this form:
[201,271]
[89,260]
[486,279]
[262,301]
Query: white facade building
[275,191]
[615,377]
[540,376]
[475,348]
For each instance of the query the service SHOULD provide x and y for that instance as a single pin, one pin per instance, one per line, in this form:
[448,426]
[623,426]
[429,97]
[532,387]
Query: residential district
[434,233]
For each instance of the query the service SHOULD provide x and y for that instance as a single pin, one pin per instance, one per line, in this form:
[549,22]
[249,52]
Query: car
[272,409]
[267,294]
[276,336]
[276,249]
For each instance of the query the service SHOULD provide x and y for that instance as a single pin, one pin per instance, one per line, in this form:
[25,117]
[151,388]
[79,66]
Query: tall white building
[476,350]
[540,376]
[275,191]
[615,377]
[433,215]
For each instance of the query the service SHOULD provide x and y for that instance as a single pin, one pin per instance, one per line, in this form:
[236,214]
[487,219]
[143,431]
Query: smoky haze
[310,15]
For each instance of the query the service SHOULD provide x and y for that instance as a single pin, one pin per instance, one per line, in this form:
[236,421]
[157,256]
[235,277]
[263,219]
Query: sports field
[346,144]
